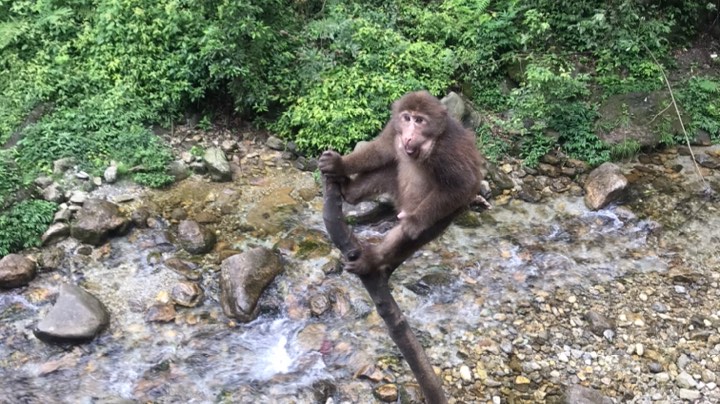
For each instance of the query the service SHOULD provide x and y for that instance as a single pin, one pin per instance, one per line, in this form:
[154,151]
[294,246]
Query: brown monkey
[429,165]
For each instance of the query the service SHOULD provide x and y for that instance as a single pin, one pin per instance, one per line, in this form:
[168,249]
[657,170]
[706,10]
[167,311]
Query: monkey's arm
[368,157]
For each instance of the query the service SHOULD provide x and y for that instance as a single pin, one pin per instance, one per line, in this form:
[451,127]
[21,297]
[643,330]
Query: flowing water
[454,287]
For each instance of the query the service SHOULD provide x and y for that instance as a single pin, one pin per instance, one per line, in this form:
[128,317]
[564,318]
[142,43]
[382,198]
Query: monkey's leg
[371,184]
[395,248]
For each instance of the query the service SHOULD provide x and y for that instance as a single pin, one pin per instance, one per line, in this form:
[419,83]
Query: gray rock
[702,138]
[53,193]
[56,232]
[685,380]
[16,270]
[51,258]
[689,395]
[455,105]
[583,395]
[604,185]
[188,294]
[62,165]
[598,323]
[111,174]
[217,165]
[97,220]
[228,145]
[82,175]
[77,316]
[195,238]
[243,278]
[275,143]
[179,170]
[43,181]
[78,197]
[63,215]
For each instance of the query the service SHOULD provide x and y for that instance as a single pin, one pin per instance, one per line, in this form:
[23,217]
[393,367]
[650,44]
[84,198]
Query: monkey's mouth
[410,151]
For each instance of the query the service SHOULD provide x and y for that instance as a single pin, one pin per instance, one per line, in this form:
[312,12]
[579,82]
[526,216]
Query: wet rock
[56,232]
[272,213]
[598,323]
[77,316]
[97,220]
[187,294]
[206,218]
[604,185]
[195,238]
[111,174]
[217,165]
[305,164]
[311,337]
[123,198]
[548,170]
[140,216]
[243,278]
[160,313]
[228,146]
[178,214]
[275,143]
[319,304]
[387,393]
[430,282]
[16,270]
[51,258]
[368,212]
[583,395]
[468,219]
[184,268]
[53,193]
[529,193]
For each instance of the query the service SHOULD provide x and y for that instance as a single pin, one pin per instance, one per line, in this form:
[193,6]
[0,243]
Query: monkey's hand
[330,163]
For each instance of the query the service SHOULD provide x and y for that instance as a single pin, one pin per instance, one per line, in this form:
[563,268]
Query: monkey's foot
[358,267]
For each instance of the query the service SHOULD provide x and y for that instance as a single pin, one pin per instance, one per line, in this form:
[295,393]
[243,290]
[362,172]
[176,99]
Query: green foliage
[490,145]
[701,99]
[349,102]
[625,149]
[21,225]
[10,179]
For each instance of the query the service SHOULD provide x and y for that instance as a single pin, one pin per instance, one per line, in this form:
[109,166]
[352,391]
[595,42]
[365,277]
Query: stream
[501,306]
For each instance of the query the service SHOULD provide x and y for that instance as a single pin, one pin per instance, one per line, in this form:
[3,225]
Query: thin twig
[677,111]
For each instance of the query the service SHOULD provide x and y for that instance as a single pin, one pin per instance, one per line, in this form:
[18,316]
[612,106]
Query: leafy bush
[21,225]
[701,99]
[350,102]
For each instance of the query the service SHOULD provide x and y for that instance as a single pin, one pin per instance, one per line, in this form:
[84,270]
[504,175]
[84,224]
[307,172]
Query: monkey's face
[412,134]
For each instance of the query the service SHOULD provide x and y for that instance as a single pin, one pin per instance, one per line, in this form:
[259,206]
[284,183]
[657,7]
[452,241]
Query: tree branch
[376,283]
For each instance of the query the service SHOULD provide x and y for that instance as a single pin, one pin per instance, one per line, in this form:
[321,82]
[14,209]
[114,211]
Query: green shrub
[701,99]
[21,226]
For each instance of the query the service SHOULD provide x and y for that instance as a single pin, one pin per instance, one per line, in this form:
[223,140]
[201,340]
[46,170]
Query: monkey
[429,165]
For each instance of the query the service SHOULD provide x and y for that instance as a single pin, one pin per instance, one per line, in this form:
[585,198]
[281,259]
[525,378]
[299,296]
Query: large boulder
[604,185]
[97,220]
[638,117]
[243,278]
[16,270]
[77,316]
[272,214]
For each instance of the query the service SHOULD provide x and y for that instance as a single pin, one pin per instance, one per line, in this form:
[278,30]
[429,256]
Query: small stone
[78,197]
[662,377]
[680,289]
[685,380]
[161,313]
[522,380]
[111,174]
[465,374]
[562,357]
[186,293]
[655,367]
[687,394]
[275,143]
[387,393]
[659,307]
[639,349]
[643,297]
[82,175]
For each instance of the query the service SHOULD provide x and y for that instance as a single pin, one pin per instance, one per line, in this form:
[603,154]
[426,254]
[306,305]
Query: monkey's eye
[419,119]
[406,117]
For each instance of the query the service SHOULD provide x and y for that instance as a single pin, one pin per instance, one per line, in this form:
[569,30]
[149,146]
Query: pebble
[684,380]
[562,357]
[662,377]
[680,289]
[465,373]
[687,394]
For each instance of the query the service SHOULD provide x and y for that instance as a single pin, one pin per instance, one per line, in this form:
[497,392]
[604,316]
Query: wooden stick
[377,285]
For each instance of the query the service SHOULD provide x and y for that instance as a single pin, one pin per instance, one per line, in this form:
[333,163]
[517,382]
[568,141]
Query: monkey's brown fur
[426,161]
